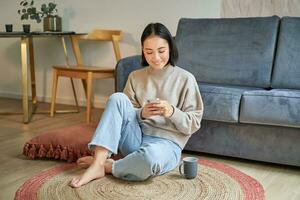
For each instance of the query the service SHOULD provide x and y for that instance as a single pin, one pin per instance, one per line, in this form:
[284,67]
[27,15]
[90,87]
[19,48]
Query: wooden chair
[86,73]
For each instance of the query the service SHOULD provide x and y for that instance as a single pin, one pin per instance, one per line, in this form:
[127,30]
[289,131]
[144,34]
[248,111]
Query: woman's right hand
[151,109]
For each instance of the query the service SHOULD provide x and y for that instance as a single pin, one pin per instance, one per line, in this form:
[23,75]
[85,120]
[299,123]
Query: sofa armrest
[124,67]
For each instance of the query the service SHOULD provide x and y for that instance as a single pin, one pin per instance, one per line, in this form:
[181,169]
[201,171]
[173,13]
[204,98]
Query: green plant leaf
[52,6]
[24,16]
[43,7]
[33,10]
[29,11]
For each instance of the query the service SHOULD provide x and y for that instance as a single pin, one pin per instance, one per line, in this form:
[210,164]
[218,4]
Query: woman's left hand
[166,108]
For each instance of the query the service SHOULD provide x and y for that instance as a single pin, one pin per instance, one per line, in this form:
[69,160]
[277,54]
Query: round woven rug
[215,181]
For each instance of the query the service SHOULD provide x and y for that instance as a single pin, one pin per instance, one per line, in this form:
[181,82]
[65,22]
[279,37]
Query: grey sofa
[248,70]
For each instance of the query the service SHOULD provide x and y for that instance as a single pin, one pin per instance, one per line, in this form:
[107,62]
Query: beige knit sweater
[180,89]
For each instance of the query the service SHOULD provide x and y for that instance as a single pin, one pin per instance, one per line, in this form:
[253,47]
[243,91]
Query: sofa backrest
[235,51]
[123,68]
[286,73]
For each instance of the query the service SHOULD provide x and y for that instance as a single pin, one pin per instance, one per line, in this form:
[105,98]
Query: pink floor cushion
[68,143]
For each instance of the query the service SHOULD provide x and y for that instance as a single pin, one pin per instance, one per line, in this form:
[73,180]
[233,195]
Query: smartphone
[154,100]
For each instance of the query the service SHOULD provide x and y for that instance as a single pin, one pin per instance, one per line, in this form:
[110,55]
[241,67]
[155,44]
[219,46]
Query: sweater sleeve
[187,119]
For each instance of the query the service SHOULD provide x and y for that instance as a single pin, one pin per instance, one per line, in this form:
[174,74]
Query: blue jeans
[144,155]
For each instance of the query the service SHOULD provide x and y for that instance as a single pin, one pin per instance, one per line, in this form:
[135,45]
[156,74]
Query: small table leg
[32,72]
[24,79]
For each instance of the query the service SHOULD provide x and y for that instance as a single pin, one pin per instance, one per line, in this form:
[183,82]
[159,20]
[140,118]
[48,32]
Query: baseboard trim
[99,101]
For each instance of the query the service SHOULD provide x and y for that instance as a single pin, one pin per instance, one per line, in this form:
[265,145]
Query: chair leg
[84,84]
[88,97]
[54,90]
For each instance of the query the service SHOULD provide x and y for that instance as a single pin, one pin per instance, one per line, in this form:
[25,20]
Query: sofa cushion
[275,107]
[124,67]
[287,63]
[237,51]
[222,103]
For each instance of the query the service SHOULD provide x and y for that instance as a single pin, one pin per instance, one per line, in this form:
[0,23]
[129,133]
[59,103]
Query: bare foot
[95,171]
[85,162]
[108,165]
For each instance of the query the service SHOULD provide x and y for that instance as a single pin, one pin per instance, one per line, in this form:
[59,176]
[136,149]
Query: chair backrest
[98,35]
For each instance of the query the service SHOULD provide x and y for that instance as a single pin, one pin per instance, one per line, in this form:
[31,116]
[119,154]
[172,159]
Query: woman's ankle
[108,166]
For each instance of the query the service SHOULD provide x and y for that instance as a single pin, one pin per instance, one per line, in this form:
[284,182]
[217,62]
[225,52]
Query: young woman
[150,122]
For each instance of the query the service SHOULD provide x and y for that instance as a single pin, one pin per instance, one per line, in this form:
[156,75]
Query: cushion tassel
[57,152]
[32,152]
[71,157]
[50,153]
[64,154]
[42,151]
[26,149]
[78,154]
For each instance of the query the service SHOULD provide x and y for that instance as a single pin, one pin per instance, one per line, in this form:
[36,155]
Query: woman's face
[156,51]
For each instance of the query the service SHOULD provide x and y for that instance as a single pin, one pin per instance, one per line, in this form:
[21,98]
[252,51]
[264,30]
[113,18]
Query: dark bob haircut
[158,29]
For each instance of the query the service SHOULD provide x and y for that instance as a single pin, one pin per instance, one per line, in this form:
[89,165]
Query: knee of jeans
[118,96]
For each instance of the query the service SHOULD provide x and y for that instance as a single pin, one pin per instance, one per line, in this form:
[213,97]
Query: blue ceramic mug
[188,167]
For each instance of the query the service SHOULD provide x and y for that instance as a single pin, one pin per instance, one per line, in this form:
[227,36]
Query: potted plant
[28,12]
[48,12]
[52,22]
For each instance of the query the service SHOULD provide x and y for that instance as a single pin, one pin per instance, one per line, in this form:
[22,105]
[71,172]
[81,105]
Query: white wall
[131,16]
[254,8]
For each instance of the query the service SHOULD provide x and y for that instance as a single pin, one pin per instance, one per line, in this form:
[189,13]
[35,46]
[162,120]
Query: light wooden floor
[279,182]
